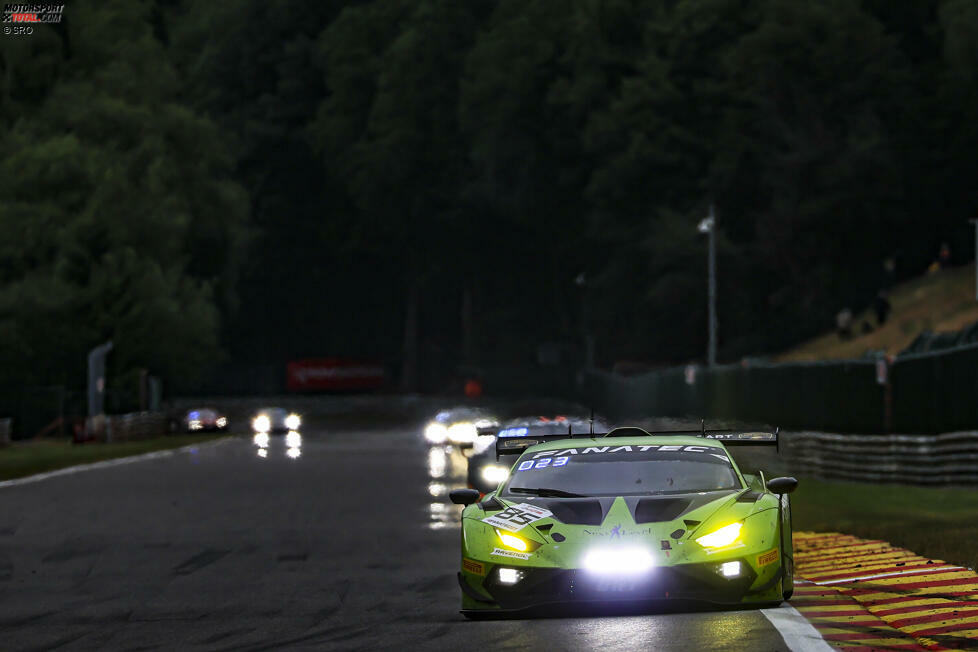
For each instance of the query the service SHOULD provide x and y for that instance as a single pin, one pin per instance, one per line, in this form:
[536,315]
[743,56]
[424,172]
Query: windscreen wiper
[545,492]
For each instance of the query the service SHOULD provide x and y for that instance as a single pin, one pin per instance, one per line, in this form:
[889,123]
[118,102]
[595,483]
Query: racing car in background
[485,472]
[276,420]
[199,419]
[625,517]
[460,426]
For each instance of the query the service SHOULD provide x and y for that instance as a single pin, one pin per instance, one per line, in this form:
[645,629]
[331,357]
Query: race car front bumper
[539,587]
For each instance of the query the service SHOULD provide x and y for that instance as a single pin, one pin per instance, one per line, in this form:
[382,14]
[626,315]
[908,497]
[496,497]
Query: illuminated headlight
[293,439]
[436,433]
[222,422]
[292,422]
[261,439]
[721,538]
[494,473]
[195,425]
[509,575]
[462,433]
[512,541]
[483,443]
[261,423]
[618,561]
[730,569]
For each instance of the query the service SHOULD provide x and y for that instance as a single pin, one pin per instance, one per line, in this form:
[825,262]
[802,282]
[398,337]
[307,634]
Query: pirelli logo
[768,557]
[473,567]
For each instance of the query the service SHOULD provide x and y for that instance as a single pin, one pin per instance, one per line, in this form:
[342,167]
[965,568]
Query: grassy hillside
[944,301]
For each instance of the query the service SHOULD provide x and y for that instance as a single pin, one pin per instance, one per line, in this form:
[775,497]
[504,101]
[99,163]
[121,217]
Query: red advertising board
[334,374]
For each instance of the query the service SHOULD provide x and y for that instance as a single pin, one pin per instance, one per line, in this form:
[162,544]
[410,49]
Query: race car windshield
[623,471]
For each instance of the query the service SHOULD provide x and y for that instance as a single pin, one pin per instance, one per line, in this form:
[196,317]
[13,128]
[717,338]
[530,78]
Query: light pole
[708,226]
[975,222]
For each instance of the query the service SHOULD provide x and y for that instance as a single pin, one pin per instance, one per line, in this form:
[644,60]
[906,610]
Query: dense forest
[434,182]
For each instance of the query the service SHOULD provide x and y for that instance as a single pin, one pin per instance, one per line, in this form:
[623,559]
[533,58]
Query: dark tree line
[422,181]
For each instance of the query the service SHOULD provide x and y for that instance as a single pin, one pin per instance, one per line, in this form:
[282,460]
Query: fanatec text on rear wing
[514,445]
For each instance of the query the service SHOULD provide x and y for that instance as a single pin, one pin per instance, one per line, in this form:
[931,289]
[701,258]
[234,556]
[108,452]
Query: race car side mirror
[463,496]
[782,485]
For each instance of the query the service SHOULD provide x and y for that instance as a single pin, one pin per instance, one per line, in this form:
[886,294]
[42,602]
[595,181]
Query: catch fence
[920,393]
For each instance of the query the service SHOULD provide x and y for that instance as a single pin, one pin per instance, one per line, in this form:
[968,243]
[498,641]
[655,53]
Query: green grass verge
[27,458]
[935,523]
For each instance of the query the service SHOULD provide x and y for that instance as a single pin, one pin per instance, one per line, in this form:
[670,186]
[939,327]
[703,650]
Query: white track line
[118,461]
[918,571]
[798,633]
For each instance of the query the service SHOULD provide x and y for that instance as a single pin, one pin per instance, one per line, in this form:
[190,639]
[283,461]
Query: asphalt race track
[351,545]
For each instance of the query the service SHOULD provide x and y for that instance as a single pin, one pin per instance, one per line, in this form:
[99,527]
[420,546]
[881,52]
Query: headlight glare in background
[222,422]
[293,439]
[494,473]
[618,561]
[261,423]
[483,443]
[721,538]
[462,433]
[292,422]
[261,439]
[436,433]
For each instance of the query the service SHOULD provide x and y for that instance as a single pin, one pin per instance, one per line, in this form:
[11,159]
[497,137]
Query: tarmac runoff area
[868,595]
[351,543]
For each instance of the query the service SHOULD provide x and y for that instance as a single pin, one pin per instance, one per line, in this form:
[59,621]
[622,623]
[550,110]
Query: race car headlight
[729,569]
[292,422]
[509,575]
[436,433]
[222,422]
[462,433]
[721,538]
[195,425]
[618,561]
[512,541]
[261,423]
[494,473]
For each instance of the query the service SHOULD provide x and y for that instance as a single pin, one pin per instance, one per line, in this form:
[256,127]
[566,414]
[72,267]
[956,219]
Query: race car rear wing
[514,445]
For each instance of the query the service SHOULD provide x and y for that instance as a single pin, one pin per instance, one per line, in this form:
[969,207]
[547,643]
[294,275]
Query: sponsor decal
[768,557]
[516,517]
[473,567]
[665,448]
[619,532]
[499,552]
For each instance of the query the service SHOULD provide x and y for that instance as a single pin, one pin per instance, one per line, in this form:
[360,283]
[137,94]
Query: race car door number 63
[517,517]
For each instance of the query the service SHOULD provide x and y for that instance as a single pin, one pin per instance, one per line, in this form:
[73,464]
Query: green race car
[624,517]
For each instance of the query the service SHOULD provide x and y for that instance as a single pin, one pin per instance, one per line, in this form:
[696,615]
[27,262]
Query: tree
[124,208]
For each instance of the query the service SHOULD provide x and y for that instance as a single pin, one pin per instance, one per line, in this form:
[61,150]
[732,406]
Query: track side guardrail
[945,459]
